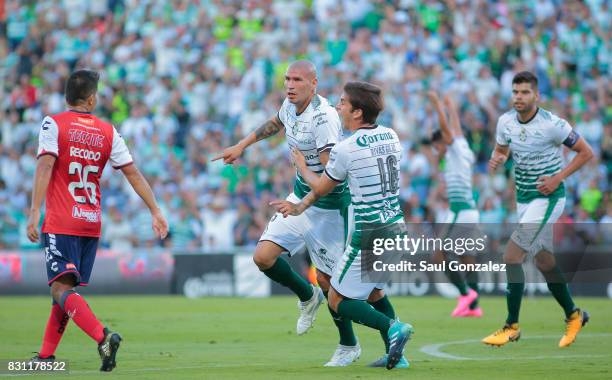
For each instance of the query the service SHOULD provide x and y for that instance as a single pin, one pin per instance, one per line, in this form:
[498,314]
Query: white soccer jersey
[536,150]
[369,159]
[313,131]
[458,162]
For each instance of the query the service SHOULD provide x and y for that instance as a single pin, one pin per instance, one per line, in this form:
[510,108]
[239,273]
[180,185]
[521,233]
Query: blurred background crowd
[180,79]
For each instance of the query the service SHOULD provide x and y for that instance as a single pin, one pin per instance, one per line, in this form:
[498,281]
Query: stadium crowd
[181,79]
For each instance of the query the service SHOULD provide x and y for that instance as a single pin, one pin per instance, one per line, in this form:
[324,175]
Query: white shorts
[536,219]
[463,216]
[347,278]
[318,230]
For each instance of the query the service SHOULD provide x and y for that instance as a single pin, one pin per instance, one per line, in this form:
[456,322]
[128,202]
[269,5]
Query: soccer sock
[558,287]
[514,291]
[456,279]
[76,307]
[363,313]
[282,273]
[384,306]
[471,278]
[58,320]
[345,327]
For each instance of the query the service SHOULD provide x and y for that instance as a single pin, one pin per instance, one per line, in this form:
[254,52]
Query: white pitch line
[435,349]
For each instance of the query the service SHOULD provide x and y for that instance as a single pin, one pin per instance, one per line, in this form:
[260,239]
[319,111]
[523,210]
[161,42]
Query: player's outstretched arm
[142,188]
[323,186]
[499,156]
[444,128]
[546,185]
[453,113]
[42,176]
[267,129]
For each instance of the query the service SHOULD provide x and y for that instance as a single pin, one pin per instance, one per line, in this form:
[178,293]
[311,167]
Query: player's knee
[334,299]
[323,280]
[262,261]
[62,285]
[376,295]
[545,262]
[514,254]
[438,257]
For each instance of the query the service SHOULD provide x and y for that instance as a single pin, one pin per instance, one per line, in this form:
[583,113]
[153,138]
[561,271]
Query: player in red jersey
[73,148]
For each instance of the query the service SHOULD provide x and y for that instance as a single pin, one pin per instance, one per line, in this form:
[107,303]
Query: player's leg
[108,347]
[471,278]
[285,235]
[348,297]
[575,318]
[268,259]
[379,301]
[56,325]
[348,349]
[510,332]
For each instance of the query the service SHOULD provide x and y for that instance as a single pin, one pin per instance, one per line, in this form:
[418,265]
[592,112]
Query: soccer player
[311,125]
[535,136]
[73,148]
[452,147]
[369,161]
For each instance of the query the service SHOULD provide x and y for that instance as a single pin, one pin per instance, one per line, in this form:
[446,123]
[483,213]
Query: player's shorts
[69,254]
[320,231]
[462,224]
[536,219]
[347,279]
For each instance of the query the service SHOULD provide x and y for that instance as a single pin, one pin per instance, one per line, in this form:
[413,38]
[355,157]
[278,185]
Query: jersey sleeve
[560,130]
[48,138]
[120,155]
[327,129]
[338,165]
[282,112]
[500,136]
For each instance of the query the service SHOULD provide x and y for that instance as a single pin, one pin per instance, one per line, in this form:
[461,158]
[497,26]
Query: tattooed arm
[267,129]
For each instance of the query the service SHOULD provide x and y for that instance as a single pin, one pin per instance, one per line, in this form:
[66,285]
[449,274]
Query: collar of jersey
[531,118]
[83,112]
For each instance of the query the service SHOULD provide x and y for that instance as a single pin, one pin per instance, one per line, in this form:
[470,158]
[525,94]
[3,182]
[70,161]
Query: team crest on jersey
[523,134]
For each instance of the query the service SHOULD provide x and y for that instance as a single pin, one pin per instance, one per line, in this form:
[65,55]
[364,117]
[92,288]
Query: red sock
[76,307]
[58,320]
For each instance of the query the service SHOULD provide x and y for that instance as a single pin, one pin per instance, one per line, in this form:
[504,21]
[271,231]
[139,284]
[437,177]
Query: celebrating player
[74,146]
[458,159]
[311,125]
[534,136]
[368,160]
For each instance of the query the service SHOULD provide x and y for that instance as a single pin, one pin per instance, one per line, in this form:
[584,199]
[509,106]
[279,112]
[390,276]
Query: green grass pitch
[233,338]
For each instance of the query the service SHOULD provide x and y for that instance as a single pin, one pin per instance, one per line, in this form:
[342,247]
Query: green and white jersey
[369,159]
[458,163]
[536,150]
[315,130]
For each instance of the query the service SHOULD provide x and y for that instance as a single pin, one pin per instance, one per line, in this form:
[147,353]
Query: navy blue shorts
[69,254]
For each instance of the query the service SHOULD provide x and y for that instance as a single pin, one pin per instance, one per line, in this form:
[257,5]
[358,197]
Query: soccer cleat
[308,311]
[108,350]
[476,313]
[508,333]
[38,359]
[382,362]
[573,325]
[399,333]
[344,355]
[463,303]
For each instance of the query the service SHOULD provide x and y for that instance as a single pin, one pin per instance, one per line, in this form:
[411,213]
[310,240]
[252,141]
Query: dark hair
[436,136]
[81,85]
[366,97]
[526,77]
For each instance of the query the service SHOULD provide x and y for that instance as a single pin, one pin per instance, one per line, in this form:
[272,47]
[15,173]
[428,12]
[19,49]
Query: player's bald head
[304,67]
